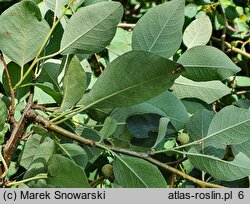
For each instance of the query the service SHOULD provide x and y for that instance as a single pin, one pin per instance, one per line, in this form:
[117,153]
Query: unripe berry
[183,138]
[107,170]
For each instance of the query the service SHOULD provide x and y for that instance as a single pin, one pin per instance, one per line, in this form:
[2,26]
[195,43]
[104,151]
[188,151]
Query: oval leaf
[205,63]
[40,157]
[137,173]
[220,169]
[229,127]
[3,114]
[198,32]
[75,153]
[125,82]
[56,5]
[160,29]
[108,128]
[163,124]
[91,28]
[64,173]
[23,30]
[207,91]
[31,148]
[74,84]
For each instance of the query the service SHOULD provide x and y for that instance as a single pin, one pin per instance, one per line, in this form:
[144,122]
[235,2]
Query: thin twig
[232,48]
[35,118]
[27,135]
[242,92]
[12,93]
[237,50]
[97,181]
[126,25]
[17,132]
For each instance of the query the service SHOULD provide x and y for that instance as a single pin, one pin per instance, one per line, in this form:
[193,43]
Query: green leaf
[165,105]
[64,173]
[74,84]
[45,90]
[242,81]
[89,2]
[171,107]
[137,173]
[207,91]
[197,126]
[49,74]
[23,30]
[91,28]
[243,147]
[163,124]
[229,127]
[3,114]
[220,169]
[198,32]
[242,103]
[160,29]
[40,158]
[75,153]
[108,128]
[193,105]
[125,83]
[204,63]
[30,149]
[56,5]
[120,44]
[191,10]
[15,76]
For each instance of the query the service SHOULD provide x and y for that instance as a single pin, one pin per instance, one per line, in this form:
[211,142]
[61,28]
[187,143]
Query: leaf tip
[178,69]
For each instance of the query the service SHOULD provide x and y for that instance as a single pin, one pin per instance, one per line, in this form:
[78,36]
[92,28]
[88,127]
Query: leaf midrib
[214,158]
[198,86]
[225,129]
[123,90]
[132,170]
[208,66]
[65,47]
[163,27]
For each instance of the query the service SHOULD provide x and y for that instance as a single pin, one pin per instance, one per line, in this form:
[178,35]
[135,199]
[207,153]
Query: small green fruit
[183,138]
[107,170]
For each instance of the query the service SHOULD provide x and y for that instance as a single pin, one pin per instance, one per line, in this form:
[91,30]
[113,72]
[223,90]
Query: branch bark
[232,48]
[12,93]
[17,132]
[35,118]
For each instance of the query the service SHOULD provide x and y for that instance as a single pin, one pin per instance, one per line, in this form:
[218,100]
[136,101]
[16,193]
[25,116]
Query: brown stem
[232,48]
[97,181]
[173,177]
[35,118]
[27,135]
[126,25]
[12,93]
[242,92]
[17,133]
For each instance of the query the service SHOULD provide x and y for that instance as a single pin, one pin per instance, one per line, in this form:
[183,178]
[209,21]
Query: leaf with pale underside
[209,91]
[137,173]
[22,31]
[205,63]
[160,29]
[91,28]
[221,169]
[198,32]
[229,127]
[74,84]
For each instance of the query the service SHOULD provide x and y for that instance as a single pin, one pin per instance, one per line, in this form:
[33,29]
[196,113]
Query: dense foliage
[129,93]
